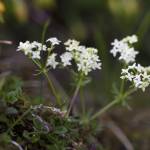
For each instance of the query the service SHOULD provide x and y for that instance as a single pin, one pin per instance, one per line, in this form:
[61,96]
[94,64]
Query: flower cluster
[124,49]
[34,49]
[138,75]
[86,59]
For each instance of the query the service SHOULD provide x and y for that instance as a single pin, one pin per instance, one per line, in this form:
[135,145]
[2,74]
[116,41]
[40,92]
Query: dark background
[95,23]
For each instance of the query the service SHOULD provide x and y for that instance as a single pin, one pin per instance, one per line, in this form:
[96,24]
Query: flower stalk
[104,109]
[82,102]
[58,100]
[118,100]
[74,95]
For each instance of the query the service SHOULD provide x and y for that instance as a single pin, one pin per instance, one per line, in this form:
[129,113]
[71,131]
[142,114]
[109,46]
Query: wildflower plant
[86,59]
[81,60]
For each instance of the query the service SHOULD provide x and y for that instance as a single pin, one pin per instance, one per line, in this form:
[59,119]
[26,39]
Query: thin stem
[122,83]
[44,31]
[52,88]
[82,102]
[74,96]
[103,110]
[49,81]
[114,102]
[45,27]
[130,92]
[122,86]
[19,119]
[38,64]
[111,104]
[41,78]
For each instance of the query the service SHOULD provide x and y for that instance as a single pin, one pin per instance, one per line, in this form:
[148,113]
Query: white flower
[71,42]
[32,49]
[66,58]
[128,55]
[53,41]
[36,45]
[137,80]
[26,47]
[86,59]
[81,48]
[39,46]
[36,55]
[72,45]
[138,75]
[131,39]
[125,49]
[51,61]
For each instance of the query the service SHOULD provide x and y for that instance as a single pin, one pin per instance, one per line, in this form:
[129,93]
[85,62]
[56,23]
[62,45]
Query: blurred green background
[95,23]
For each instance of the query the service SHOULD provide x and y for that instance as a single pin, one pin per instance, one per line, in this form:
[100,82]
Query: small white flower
[51,61]
[117,46]
[66,58]
[71,42]
[81,48]
[26,47]
[36,44]
[36,55]
[137,80]
[87,62]
[131,39]
[92,50]
[125,49]
[86,59]
[39,46]
[72,45]
[33,48]
[138,75]
[128,55]
[53,41]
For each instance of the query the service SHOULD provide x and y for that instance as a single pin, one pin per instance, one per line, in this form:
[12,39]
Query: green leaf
[61,130]
[12,89]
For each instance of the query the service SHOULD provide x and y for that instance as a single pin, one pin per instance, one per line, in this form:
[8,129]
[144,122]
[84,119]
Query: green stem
[129,92]
[114,102]
[103,110]
[49,81]
[122,86]
[82,102]
[74,96]
[19,119]
[52,88]
[44,31]
[38,64]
